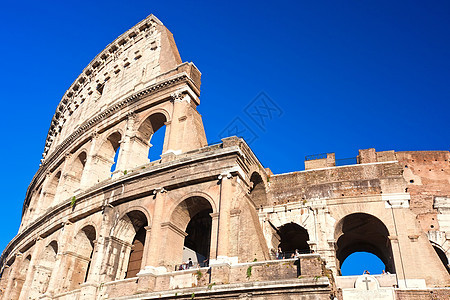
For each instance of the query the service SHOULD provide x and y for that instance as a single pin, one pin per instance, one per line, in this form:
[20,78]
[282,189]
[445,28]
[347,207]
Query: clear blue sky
[347,75]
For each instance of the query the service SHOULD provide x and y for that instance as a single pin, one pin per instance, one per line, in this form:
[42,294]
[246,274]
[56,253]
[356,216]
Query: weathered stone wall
[431,294]
[427,175]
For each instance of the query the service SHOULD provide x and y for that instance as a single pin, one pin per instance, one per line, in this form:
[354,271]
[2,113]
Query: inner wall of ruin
[102,221]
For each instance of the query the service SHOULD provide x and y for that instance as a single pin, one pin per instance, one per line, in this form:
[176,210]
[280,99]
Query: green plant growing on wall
[211,285]
[125,172]
[193,296]
[249,272]
[199,275]
[73,201]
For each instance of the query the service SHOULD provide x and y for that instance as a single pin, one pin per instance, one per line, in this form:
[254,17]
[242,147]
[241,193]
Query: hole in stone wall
[100,87]
[360,232]
[292,237]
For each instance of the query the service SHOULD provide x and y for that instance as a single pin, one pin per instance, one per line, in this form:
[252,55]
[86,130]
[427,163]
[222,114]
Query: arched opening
[360,232]
[107,157]
[73,176]
[84,243]
[45,268]
[292,237]
[152,134]
[198,239]
[257,190]
[77,168]
[442,257]
[19,280]
[359,262]
[50,191]
[193,217]
[134,224]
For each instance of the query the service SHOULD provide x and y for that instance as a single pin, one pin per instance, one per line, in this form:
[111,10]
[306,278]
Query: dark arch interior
[293,236]
[136,254]
[139,222]
[193,216]
[361,232]
[257,190]
[442,257]
[198,237]
[91,235]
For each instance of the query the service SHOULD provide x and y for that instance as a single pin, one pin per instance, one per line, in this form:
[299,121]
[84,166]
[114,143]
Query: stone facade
[102,221]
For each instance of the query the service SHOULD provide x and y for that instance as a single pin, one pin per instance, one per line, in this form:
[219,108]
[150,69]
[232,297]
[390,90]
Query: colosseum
[102,221]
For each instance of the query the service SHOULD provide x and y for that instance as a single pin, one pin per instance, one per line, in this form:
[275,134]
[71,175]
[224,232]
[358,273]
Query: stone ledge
[305,284]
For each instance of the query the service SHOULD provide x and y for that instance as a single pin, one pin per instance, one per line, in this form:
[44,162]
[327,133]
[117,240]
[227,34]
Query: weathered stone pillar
[133,149]
[173,238]
[113,264]
[147,246]
[214,235]
[59,274]
[180,103]
[226,197]
[41,205]
[89,176]
[12,275]
[234,228]
[62,190]
[37,251]
[154,246]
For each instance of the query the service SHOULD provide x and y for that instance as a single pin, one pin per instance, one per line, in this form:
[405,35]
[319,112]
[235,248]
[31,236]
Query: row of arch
[91,164]
[124,252]
[355,233]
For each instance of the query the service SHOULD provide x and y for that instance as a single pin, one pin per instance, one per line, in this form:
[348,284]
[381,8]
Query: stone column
[62,192]
[38,246]
[12,276]
[181,102]
[147,245]
[154,243]
[59,274]
[214,235]
[90,177]
[41,206]
[133,150]
[226,197]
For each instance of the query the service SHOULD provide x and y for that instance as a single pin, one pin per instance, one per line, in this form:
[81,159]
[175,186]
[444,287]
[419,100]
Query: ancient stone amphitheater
[101,221]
